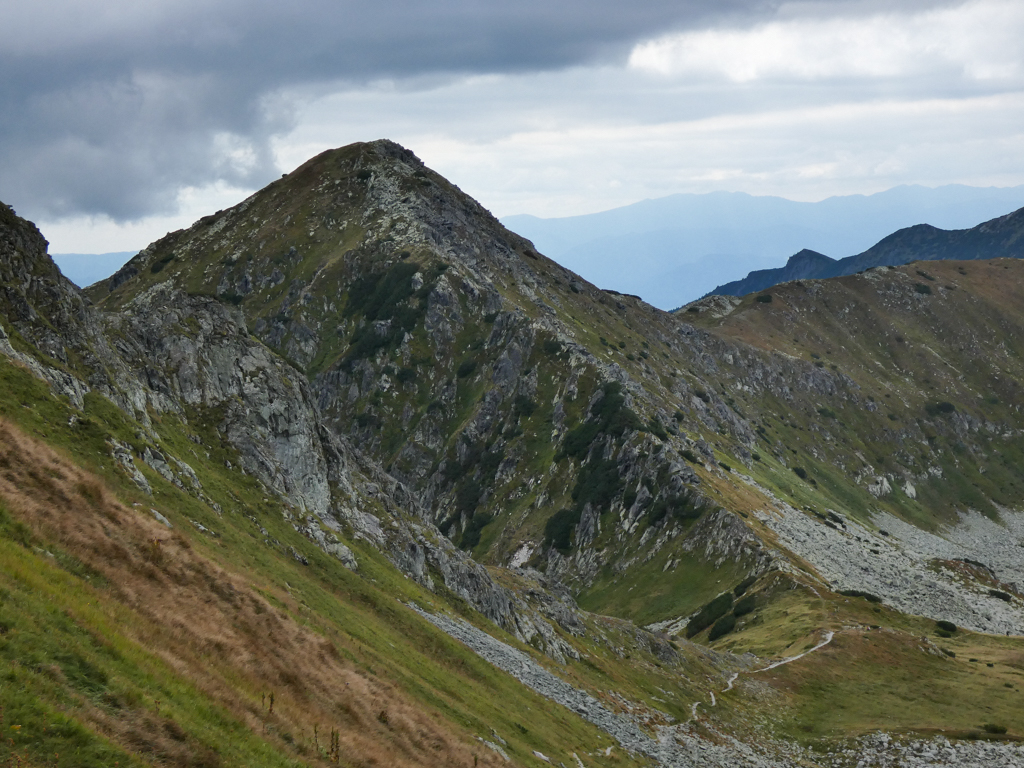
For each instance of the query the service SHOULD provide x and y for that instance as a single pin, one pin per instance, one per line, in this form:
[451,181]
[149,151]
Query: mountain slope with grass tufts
[351,474]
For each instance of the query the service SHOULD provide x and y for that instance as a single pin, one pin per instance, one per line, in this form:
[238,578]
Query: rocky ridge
[398,370]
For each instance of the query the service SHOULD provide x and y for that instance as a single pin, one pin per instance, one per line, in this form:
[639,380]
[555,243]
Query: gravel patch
[898,568]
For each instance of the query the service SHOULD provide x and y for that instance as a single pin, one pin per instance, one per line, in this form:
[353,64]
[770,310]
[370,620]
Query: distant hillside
[1000,238]
[674,249]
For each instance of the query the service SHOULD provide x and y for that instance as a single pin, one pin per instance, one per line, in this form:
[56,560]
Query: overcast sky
[121,120]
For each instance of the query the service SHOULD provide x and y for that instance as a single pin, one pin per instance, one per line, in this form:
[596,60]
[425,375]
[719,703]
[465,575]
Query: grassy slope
[106,645]
[132,613]
[905,350]
[882,670]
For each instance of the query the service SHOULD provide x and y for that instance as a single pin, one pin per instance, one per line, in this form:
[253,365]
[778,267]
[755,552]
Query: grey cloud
[113,114]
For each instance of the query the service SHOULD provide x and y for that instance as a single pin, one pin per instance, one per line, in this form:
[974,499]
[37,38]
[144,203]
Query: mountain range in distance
[999,238]
[675,249]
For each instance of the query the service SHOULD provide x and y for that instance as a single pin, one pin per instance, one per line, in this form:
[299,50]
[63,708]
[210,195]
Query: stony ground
[678,745]
[899,566]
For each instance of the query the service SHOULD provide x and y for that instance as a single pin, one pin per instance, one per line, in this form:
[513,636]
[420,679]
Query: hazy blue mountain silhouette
[1002,237]
[674,249]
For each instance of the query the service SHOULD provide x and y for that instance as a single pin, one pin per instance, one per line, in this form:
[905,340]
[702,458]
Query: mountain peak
[807,256]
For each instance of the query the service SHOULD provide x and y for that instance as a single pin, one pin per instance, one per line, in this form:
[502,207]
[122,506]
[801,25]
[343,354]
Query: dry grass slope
[212,627]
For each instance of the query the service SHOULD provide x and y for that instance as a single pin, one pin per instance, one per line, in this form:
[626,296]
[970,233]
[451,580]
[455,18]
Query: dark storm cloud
[111,108]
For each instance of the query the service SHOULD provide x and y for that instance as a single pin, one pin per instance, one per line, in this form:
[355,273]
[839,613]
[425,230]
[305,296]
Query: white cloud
[101,234]
[979,40]
[590,139]
[807,106]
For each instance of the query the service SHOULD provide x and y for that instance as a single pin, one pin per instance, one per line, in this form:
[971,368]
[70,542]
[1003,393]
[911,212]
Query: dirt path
[829,634]
[828,639]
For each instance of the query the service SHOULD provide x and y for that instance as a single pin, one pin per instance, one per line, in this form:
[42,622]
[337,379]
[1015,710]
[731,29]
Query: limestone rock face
[195,353]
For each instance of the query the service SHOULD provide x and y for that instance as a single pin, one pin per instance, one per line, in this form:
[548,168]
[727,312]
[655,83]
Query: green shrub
[468,497]
[744,585]
[385,296]
[800,472]
[943,634]
[684,506]
[942,408]
[471,536]
[999,594]
[551,347]
[158,266]
[922,288]
[656,429]
[744,606]
[609,416]
[405,375]
[709,614]
[691,457]
[723,626]
[765,298]
[948,626]
[994,729]
[827,413]
[490,461]
[367,419]
[466,368]
[629,498]
[598,483]
[559,527]
[523,406]
[377,296]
